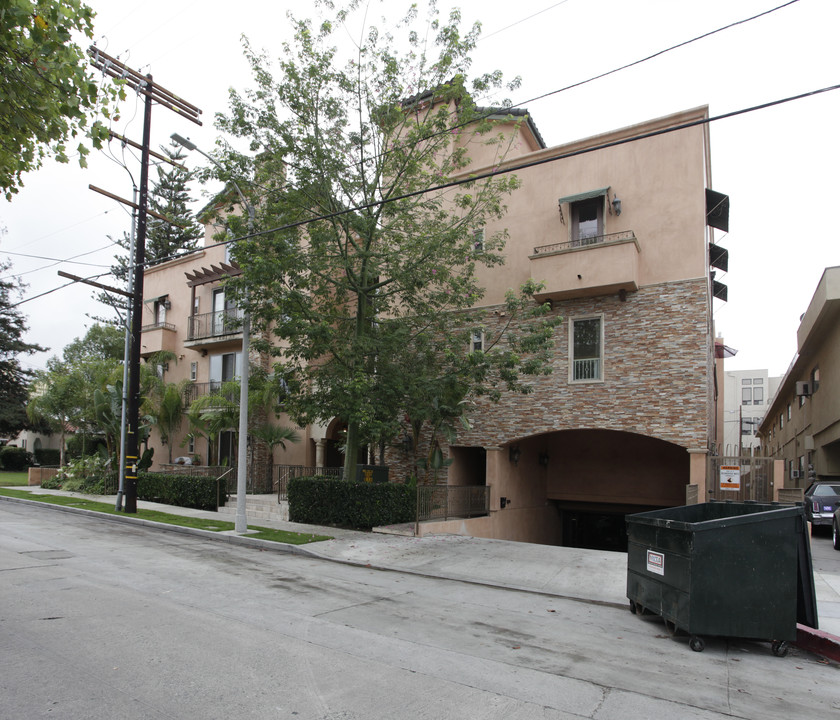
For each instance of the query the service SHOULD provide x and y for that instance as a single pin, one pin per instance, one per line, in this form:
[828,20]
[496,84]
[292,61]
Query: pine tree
[14,379]
[169,196]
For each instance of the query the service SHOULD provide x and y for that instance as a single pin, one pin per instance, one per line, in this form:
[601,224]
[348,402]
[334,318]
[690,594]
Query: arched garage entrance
[596,477]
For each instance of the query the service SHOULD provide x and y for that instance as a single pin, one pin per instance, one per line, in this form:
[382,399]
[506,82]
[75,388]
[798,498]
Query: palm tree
[274,435]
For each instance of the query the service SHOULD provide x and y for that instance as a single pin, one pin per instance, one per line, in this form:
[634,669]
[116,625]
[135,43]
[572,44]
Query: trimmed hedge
[327,501]
[193,491]
[14,458]
[48,457]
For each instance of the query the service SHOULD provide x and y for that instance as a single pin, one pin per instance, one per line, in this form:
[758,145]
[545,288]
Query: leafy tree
[370,288]
[64,396]
[101,342]
[14,379]
[48,95]
[165,407]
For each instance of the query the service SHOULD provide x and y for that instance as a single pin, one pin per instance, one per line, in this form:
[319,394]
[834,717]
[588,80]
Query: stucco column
[495,458]
[320,452]
[697,472]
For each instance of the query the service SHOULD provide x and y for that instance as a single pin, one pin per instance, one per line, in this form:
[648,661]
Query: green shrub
[52,483]
[191,491]
[47,456]
[327,501]
[15,458]
[86,475]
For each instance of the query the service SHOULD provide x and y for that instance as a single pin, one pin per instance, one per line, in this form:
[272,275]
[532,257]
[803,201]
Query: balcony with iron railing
[157,337]
[196,390]
[214,327]
[598,265]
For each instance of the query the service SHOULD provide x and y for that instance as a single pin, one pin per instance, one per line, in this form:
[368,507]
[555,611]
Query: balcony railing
[442,502]
[197,390]
[215,324]
[158,326]
[584,242]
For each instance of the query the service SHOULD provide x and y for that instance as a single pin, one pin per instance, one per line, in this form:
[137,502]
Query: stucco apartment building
[747,395]
[802,423]
[616,226]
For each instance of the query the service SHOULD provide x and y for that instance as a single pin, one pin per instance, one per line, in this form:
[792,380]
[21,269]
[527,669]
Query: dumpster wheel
[780,648]
[697,643]
[638,609]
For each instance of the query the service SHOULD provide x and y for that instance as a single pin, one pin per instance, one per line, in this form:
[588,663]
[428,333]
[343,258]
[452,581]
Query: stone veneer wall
[657,364]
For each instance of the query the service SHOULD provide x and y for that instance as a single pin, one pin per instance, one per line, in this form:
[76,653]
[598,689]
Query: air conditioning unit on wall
[795,474]
[803,388]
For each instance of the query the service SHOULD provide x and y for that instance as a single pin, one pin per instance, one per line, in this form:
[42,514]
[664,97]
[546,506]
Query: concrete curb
[223,536]
[818,642]
[815,641]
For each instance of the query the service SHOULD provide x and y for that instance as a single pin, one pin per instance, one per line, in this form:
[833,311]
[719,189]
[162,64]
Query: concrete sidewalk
[584,575]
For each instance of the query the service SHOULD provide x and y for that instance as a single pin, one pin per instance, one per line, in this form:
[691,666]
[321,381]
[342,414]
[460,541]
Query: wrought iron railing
[286,472]
[197,390]
[442,502]
[584,242]
[158,326]
[215,324]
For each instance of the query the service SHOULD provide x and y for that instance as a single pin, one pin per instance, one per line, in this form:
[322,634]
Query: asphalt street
[101,619]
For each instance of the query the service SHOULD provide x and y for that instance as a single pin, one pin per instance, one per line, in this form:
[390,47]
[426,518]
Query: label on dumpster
[655,562]
[730,477]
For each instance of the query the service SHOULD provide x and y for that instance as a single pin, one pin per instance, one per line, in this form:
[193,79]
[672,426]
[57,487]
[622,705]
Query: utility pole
[153,93]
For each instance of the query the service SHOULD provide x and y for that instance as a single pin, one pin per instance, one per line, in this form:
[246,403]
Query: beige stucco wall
[660,181]
[809,433]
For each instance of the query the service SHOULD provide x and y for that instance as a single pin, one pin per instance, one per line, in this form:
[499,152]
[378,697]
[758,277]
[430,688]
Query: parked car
[821,500]
[836,529]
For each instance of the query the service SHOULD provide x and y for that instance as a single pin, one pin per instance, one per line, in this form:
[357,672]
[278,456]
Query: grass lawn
[283,536]
[9,478]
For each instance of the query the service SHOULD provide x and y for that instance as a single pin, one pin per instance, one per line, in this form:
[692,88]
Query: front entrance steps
[259,507]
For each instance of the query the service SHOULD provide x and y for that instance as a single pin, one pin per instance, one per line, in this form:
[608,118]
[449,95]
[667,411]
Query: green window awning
[583,196]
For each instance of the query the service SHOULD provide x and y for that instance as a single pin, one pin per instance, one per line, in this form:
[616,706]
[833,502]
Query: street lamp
[241,523]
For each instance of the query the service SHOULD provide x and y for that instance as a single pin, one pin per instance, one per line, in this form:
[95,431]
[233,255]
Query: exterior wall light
[515,454]
[543,459]
[616,204]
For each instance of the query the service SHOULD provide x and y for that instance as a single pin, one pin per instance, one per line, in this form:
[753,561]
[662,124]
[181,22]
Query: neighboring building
[32,441]
[617,230]
[802,424]
[747,395]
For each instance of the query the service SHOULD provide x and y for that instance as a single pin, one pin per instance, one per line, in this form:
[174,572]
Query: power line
[58,260]
[60,287]
[534,163]
[495,111]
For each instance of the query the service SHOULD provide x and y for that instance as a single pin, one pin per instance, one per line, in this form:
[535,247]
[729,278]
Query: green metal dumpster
[723,568]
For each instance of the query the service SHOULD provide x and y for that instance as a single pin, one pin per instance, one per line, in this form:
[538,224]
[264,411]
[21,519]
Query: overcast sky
[773,163]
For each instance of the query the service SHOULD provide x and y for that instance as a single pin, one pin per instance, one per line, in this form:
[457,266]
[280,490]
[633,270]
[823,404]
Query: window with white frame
[746,396]
[193,371]
[758,395]
[477,341]
[586,340]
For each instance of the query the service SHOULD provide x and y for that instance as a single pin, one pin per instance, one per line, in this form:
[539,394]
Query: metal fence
[442,502]
[753,476]
[286,472]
